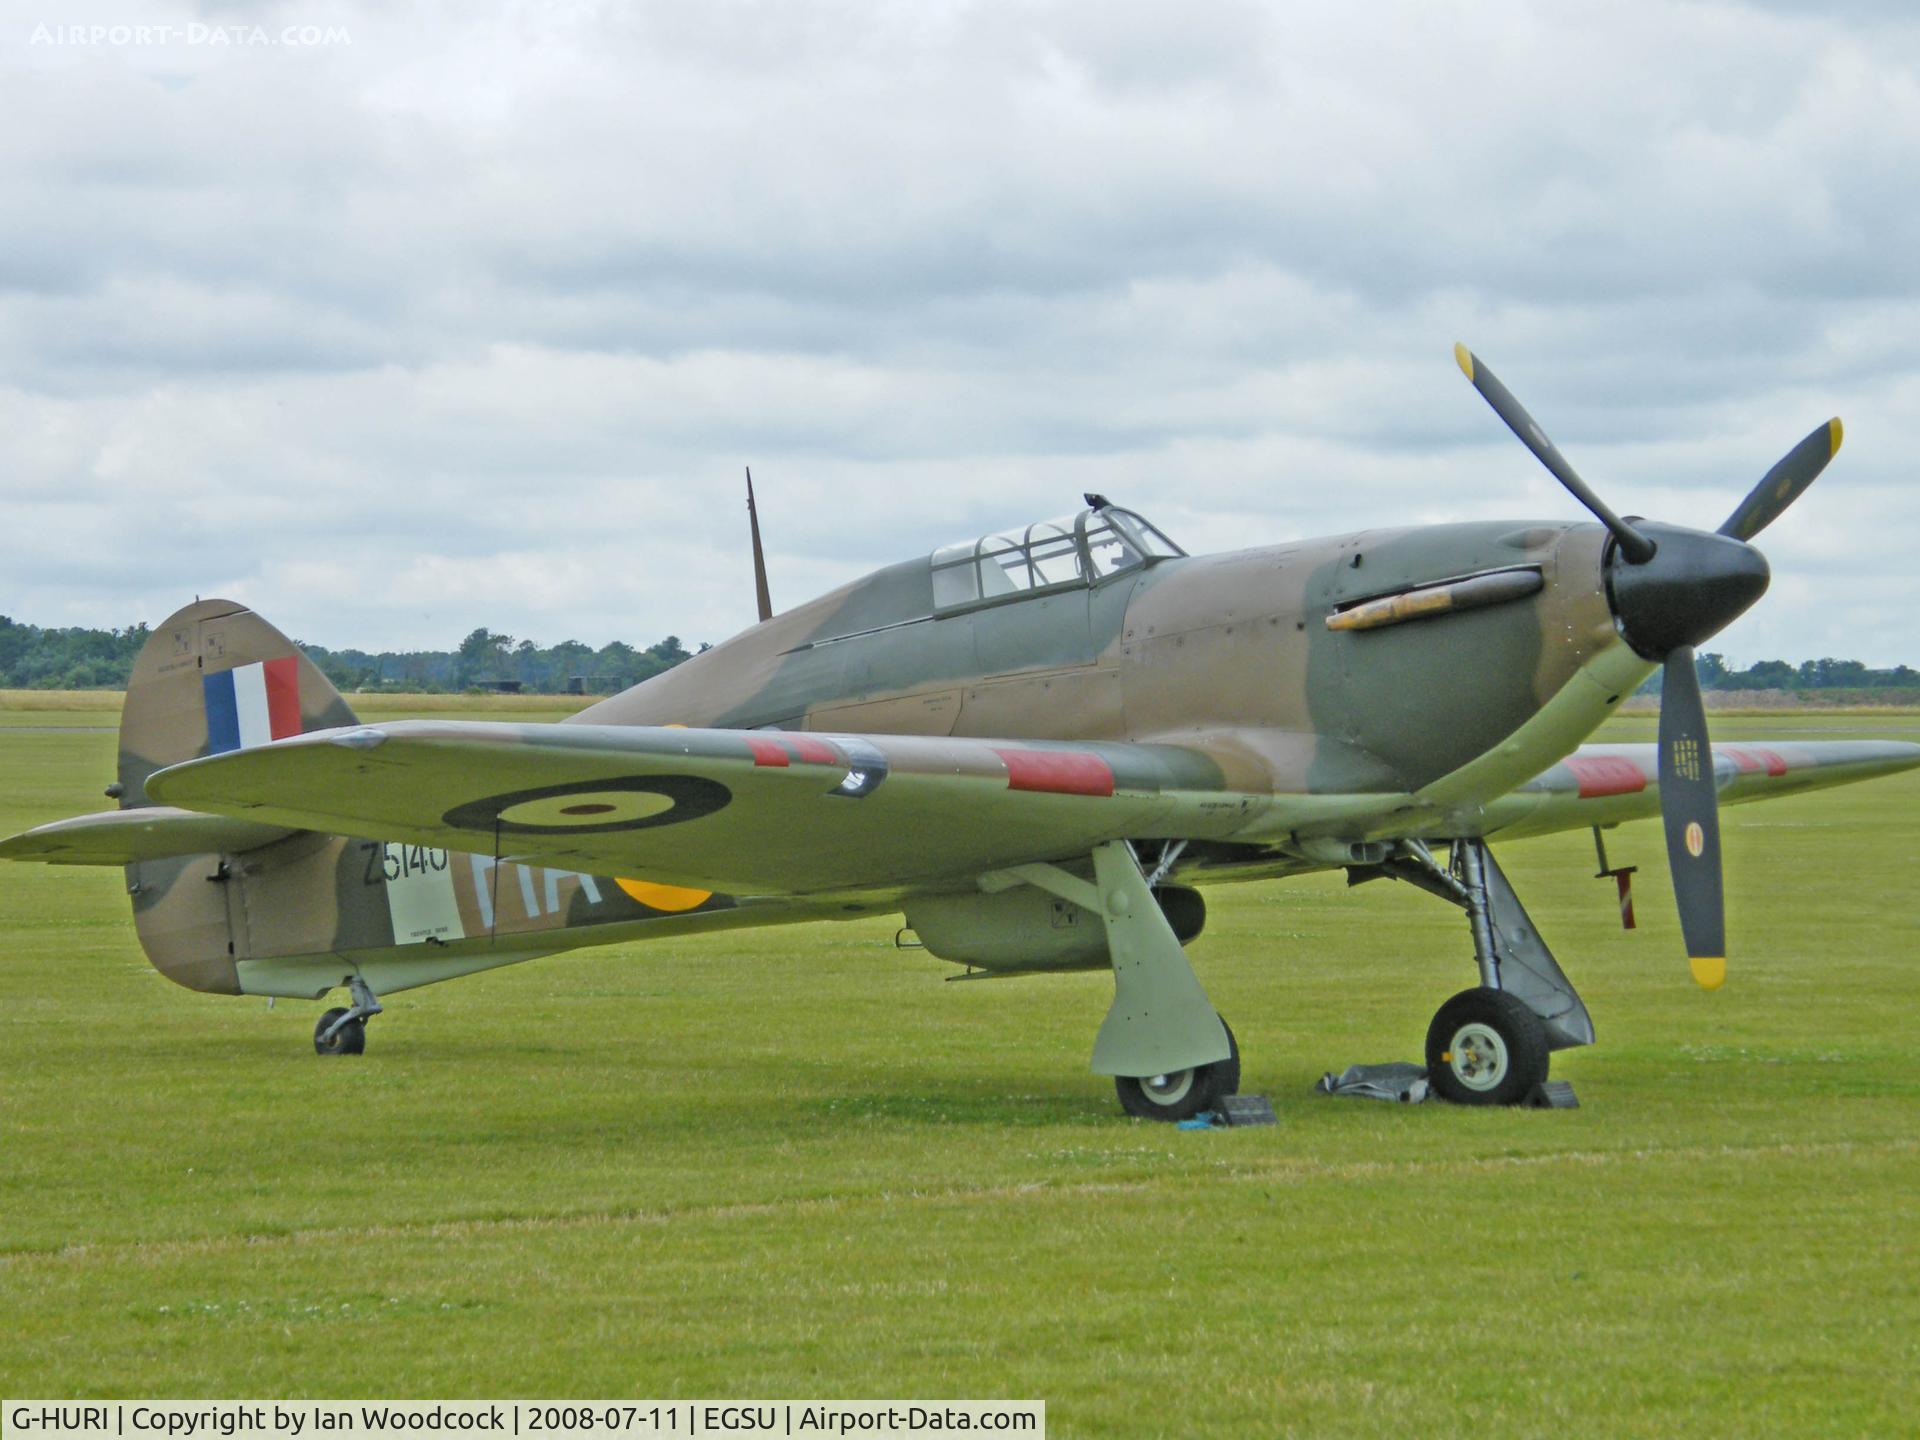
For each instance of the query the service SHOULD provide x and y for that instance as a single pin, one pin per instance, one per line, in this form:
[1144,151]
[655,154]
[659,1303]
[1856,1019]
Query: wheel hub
[1168,1089]
[1478,1056]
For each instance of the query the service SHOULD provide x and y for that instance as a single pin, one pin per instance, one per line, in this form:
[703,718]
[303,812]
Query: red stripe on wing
[1605,775]
[1057,772]
[767,752]
[812,751]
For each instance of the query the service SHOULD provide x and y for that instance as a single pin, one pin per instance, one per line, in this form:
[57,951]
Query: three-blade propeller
[1679,586]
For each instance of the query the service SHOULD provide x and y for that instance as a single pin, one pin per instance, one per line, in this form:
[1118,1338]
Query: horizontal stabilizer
[127,837]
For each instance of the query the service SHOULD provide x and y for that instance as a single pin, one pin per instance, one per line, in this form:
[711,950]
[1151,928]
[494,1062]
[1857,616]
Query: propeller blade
[1635,546]
[1783,484]
[1690,810]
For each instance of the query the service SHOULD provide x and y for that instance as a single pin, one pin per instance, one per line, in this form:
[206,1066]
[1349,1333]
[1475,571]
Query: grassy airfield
[792,1163]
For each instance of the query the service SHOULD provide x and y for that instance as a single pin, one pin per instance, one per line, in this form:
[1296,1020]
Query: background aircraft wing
[745,812]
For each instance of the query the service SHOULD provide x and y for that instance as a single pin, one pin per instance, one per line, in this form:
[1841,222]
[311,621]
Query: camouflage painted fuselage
[1231,650]
[1228,659]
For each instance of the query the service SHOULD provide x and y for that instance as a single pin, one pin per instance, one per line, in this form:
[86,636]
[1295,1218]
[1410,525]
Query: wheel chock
[1245,1110]
[1552,1095]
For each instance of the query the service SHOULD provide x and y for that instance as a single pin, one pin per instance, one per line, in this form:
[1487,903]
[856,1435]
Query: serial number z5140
[388,862]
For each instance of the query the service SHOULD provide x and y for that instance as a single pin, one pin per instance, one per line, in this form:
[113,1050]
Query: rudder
[213,677]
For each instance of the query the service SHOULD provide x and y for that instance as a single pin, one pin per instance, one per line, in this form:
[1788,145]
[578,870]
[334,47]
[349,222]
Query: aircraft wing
[1606,784]
[744,812]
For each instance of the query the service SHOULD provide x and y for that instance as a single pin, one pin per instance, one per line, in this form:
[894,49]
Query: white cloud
[474,317]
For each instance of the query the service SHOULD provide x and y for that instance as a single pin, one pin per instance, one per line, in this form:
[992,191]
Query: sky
[396,321]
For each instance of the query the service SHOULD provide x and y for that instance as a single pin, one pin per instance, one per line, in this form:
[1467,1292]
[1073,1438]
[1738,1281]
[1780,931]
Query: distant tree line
[487,658]
[1827,677]
[34,657]
[73,659]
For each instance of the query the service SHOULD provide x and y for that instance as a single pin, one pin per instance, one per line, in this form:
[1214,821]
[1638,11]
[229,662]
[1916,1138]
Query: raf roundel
[1696,839]
[634,802]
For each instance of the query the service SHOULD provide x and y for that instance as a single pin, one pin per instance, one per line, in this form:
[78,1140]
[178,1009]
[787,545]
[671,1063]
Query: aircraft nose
[1694,586]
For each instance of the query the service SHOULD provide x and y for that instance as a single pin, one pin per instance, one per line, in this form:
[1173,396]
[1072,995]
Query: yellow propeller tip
[1465,358]
[1836,432]
[1709,971]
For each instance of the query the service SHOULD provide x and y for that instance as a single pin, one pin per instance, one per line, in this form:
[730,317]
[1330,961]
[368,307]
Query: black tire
[349,1039]
[1485,1047]
[1185,1093]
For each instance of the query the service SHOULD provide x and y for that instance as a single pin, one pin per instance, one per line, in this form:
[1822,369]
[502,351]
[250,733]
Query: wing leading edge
[797,813]
[745,812]
[1606,784]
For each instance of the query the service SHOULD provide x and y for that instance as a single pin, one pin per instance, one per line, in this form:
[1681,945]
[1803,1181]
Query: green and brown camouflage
[999,739]
[1227,654]
[253,908]
[1219,677]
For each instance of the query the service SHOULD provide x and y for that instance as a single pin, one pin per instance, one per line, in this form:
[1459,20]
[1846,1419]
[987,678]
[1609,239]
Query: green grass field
[793,1163]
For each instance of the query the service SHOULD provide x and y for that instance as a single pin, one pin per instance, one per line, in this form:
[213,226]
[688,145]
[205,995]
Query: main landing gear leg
[1170,1053]
[1490,1045]
[343,1030]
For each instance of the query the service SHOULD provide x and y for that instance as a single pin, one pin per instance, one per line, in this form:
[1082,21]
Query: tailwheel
[1485,1047]
[340,1032]
[1181,1094]
[343,1031]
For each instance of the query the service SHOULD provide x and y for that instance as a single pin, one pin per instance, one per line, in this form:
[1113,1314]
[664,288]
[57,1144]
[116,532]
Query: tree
[1828,674]
[481,656]
[1764,675]
[15,641]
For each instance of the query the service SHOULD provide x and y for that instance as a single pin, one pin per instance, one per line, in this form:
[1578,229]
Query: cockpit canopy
[1077,550]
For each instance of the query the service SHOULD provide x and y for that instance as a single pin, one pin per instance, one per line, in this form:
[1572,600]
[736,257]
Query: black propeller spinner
[1670,588]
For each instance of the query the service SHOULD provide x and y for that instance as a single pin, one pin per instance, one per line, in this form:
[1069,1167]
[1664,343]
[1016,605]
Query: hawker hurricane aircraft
[1034,745]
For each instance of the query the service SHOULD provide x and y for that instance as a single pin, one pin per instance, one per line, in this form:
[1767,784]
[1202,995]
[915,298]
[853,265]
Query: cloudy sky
[394,325]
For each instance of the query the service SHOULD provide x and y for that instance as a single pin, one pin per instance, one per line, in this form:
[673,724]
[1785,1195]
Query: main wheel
[1486,1048]
[1181,1094]
[349,1039]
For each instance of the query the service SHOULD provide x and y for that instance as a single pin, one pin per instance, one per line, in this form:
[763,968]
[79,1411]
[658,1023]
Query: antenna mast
[759,557]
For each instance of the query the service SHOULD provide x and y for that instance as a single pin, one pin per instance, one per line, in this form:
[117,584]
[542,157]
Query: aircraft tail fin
[213,677]
[193,692]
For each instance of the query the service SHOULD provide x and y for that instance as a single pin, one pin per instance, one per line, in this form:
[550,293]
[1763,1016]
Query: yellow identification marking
[1465,357]
[1446,1057]
[1709,971]
[1685,753]
[1836,432]
[671,898]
